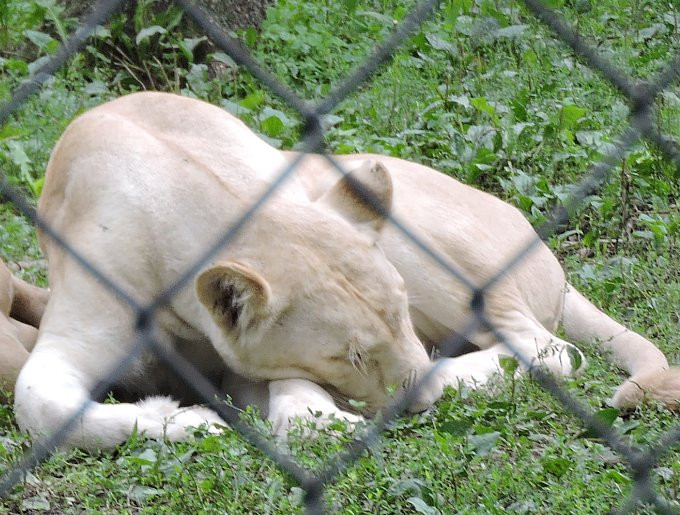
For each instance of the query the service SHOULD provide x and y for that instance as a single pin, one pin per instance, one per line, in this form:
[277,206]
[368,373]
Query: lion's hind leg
[651,377]
[656,385]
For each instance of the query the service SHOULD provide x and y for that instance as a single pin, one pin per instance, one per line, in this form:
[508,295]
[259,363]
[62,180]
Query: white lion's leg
[298,398]
[533,346]
[54,385]
[650,375]
[473,370]
[530,344]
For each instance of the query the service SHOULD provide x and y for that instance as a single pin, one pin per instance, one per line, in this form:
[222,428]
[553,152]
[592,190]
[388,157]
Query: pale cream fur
[478,234]
[311,291]
[141,187]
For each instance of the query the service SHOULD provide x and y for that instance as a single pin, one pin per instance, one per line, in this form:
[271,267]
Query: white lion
[302,296]
[479,234]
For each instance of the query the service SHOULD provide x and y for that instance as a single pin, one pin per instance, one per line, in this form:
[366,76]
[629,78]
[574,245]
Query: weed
[482,93]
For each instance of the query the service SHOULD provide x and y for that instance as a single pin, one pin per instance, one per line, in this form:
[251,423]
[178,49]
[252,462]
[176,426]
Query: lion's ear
[363,196]
[236,296]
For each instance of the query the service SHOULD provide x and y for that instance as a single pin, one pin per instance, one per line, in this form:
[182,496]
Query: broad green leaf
[460,100]
[483,443]
[101,32]
[36,65]
[617,477]
[188,45]
[273,126]
[570,116]
[139,494]
[10,132]
[207,484]
[268,112]
[234,108]
[147,32]
[96,87]
[35,504]
[421,506]
[376,16]
[482,104]
[441,44]
[18,156]
[556,466]
[224,59]
[518,128]
[253,100]
[455,427]
[39,39]
[147,457]
[403,486]
[210,444]
[606,417]
[17,66]
[509,365]
[511,31]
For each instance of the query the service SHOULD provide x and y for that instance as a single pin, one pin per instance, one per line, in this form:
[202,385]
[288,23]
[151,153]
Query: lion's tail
[650,375]
[29,302]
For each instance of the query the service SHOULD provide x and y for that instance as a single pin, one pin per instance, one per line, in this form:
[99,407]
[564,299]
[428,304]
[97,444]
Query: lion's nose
[423,390]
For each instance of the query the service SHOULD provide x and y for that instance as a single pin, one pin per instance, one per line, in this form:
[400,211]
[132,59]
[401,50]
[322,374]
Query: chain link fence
[641,97]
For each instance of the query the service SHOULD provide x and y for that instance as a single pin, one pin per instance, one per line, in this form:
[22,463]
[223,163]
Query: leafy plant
[484,93]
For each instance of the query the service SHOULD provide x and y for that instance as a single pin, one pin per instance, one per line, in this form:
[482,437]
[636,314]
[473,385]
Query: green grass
[483,93]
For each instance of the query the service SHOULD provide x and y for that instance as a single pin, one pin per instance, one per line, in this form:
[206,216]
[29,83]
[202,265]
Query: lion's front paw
[311,424]
[163,418]
[300,400]
[178,424]
[472,370]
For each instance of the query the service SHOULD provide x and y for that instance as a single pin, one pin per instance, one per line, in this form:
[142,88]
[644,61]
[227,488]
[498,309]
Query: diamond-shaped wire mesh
[641,96]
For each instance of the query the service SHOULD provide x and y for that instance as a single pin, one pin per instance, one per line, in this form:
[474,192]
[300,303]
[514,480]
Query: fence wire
[640,95]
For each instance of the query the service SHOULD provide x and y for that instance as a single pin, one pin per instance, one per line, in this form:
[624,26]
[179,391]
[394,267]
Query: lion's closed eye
[356,357]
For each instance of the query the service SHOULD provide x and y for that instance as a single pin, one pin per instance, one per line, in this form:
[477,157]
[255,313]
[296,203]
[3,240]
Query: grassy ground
[483,93]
